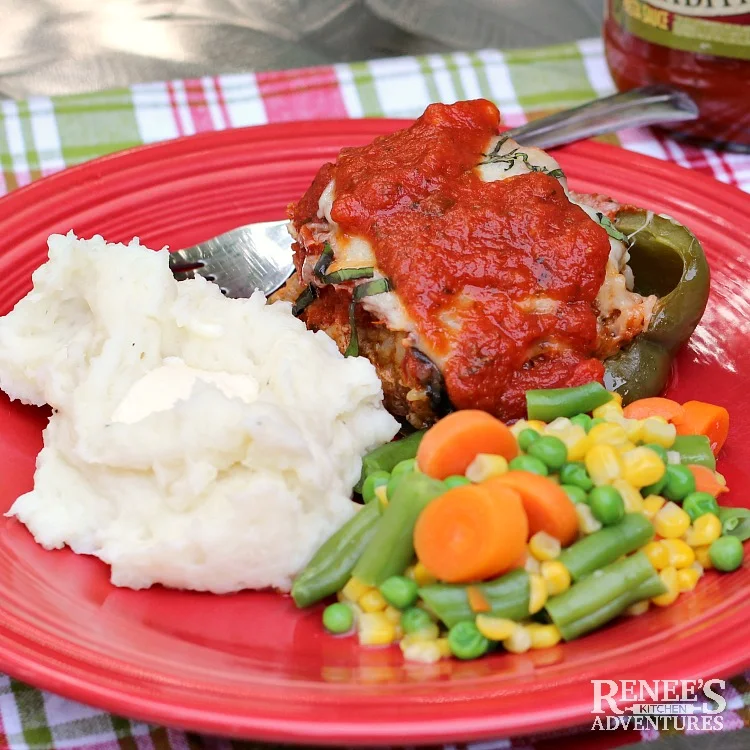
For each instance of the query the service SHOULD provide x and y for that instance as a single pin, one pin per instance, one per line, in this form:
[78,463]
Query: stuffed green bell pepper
[667,261]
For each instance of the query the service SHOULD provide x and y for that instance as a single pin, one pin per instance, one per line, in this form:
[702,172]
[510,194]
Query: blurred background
[50,47]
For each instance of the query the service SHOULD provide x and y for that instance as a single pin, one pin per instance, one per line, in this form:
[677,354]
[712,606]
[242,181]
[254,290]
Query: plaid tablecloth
[40,136]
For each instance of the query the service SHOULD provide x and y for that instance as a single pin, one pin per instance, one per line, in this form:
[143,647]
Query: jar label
[708,27]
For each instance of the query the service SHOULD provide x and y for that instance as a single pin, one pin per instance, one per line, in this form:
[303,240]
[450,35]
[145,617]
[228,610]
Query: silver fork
[259,256]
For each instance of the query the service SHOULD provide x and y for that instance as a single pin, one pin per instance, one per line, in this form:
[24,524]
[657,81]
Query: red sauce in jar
[699,46]
[469,258]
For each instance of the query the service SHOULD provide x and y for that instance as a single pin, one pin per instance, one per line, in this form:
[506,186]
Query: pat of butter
[161,388]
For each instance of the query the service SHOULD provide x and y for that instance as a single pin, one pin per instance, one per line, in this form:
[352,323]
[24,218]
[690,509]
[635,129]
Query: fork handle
[648,105]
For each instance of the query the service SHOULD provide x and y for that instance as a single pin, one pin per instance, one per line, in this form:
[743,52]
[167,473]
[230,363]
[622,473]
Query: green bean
[332,565]
[550,403]
[695,449]
[391,548]
[508,596]
[652,586]
[595,600]
[606,545]
[387,456]
[735,522]
[373,481]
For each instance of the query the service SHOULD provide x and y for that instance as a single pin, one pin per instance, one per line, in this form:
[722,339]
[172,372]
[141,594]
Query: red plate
[249,664]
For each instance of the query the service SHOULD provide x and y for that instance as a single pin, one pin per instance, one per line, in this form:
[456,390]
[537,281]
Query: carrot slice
[547,506]
[477,600]
[450,445]
[655,407]
[700,418]
[705,480]
[470,534]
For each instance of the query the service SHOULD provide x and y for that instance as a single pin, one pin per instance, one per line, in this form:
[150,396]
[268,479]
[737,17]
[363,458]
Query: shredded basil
[325,259]
[348,274]
[368,289]
[610,228]
[352,350]
[378,286]
[513,156]
[306,298]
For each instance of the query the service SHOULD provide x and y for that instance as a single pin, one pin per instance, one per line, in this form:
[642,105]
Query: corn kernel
[414,649]
[537,593]
[608,433]
[616,397]
[381,493]
[657,554]
[393,614]
[556,576]
[527,424]
[630,496]
[633,428]
[639,608]
[705,529]
[354,590]
[671,521]
[557,425]
[575,439]
[702,556]
[687,579]
[652,505]
[587,524]
[519,642]
[531,564]
[543,636]
[610,410]
[641,467]
[486,466]
[445,648]
[680,554]
[603,464]
[372,601]
[656,430]
[375,629]
[495,628]
[669,578]
[544,546]
[422,576]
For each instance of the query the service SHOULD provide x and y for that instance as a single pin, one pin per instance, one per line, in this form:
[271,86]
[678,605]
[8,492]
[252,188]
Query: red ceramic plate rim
[52,663]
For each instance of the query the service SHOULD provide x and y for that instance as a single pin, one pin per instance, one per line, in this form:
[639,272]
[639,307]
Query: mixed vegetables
[475,534]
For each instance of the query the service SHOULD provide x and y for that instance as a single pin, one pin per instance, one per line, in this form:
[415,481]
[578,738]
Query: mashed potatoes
[196,441]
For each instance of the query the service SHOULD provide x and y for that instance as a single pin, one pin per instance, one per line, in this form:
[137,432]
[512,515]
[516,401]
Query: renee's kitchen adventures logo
[685,705]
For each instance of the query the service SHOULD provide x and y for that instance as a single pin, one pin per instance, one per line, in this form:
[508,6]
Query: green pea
[660,450]
[575,493]
[697,504]
[400,470]
[400,591]
[582,420]
[726,553]
[575,473]
[338,618]
[527,437]
[529,463]
[680,482]
[466,642]
[597,421]
[415,619]
[373,481]
[456,481]
[551,450]
[607,505]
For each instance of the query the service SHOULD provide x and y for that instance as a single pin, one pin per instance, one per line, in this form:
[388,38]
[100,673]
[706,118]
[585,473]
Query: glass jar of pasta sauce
[700,46]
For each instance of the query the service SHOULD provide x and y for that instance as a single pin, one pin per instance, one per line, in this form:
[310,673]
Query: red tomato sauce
[467,257]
